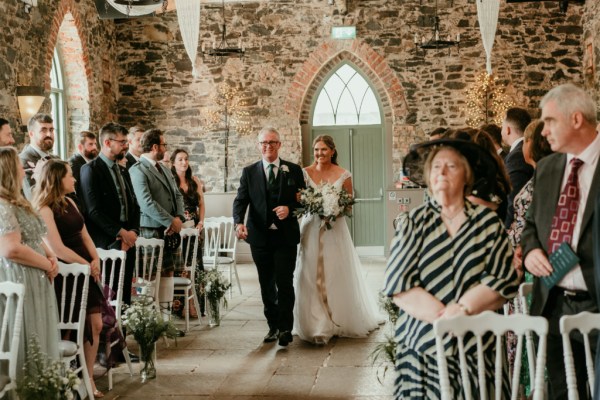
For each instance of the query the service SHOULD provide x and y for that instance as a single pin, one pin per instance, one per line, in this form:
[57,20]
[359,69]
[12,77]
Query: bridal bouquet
[326,201]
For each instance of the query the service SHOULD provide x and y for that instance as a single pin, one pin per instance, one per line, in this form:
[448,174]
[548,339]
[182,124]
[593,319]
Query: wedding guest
[26,259]
[272,231]
[87,150]
[192,190]
[6,136]
[429,277]
[134,152]
[69,239]
[495,133]
[339,303]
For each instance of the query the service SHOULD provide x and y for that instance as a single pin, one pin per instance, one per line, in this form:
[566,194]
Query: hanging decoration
[188,16]
[487,14]
[136,8]
[487,101]
[227,111]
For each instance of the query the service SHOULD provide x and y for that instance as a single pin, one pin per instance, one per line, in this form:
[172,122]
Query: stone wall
[289,52]
[591,48]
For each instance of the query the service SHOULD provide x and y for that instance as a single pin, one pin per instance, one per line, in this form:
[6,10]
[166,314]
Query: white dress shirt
[275,168]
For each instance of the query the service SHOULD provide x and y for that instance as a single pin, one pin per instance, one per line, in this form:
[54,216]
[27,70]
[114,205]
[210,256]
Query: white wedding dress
[333,300]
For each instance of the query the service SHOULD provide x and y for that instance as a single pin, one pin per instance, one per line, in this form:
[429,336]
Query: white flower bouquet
[326,201]
[144,321]
[43,378]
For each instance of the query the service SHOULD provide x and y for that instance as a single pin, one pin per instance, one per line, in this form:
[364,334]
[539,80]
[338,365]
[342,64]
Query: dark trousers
[557,306]
[275,264]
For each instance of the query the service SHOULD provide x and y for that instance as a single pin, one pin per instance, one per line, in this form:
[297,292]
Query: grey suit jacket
[538,224]
[158,196]
[29,158]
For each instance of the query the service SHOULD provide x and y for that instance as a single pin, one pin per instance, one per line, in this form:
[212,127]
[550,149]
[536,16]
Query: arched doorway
[347,108]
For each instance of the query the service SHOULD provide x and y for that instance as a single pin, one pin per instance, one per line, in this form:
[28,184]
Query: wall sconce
[30,99]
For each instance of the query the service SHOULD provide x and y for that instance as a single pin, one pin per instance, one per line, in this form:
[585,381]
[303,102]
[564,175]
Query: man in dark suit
[134,139]
[41,141]
[566,186]
[519,172]
[112,214]
[268,189]
[87,150]
[6,136]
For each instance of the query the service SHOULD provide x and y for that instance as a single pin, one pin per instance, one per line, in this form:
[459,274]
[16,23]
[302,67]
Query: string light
[487,101]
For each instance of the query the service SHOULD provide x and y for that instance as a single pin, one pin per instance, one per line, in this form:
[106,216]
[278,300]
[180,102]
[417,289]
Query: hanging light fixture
[136,8]
[223,49]
[437,40]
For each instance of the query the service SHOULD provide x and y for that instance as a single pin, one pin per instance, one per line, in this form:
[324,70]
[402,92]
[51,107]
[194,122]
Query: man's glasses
[269,143]
[163,144]
[121,142]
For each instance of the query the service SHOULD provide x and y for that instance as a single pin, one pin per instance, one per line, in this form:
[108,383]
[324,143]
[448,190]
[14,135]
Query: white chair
[212,242]
[227,248]
[189,258]
[522,307]
[498,324]
[11,300]
[68,320]
[148,266]
[112,265]
[584,322]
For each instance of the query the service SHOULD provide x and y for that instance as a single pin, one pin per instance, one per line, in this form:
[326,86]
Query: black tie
[121,183]
[271,174]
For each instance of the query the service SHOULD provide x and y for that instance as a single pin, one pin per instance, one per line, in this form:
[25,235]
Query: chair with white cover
[585,322]
[498,324]
[11,299]
[148,266]
[71,321]
[187,285]
[112,265]
[228,249]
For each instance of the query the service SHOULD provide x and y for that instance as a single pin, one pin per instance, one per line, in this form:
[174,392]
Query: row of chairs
[523,326]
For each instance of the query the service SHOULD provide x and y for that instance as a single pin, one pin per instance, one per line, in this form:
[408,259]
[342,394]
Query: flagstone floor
[232,362]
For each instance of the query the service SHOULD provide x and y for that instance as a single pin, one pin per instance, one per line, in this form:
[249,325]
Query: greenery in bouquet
[326,201]
[213,285]
[44,378]
[145,322]
[384,354]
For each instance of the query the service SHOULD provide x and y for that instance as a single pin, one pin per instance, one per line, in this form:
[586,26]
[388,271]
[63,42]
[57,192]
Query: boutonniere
[284,168]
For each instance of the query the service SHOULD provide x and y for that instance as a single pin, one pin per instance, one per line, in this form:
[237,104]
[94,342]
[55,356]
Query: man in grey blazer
[160,201]
[569,116]
[41,141]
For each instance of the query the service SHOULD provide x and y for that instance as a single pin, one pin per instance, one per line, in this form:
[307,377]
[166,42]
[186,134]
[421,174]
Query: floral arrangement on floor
[326,201]
[145,322]
[44,378]
[213,285]
[384,354]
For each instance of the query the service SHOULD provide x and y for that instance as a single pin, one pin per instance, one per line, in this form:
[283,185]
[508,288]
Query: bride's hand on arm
[420,304]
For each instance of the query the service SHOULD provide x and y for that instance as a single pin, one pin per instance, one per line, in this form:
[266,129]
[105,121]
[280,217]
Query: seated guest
[69,239]
[6,136]
[428,281]
[26,259]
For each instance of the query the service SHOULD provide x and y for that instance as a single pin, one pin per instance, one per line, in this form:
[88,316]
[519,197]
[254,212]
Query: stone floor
[232,362]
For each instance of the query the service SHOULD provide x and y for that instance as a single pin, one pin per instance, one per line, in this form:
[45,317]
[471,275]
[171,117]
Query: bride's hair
[328,140]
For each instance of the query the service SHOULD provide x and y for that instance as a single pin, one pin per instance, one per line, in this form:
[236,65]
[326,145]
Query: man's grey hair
[570,98]
[268,129]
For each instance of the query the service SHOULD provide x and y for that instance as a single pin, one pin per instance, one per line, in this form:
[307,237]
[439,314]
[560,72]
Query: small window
[57,97]
[346,99]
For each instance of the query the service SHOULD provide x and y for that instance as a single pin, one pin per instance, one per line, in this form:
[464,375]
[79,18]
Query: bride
[333,299]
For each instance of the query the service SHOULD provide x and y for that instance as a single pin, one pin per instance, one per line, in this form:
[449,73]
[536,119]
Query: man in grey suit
[566,186]
[41,141]
[160,201]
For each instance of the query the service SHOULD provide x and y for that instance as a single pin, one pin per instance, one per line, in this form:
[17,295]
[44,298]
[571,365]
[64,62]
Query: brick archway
[330,54]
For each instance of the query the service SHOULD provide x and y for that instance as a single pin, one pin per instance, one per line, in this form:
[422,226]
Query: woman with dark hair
[192,190]
[70,240]
[25,259]
[329,280]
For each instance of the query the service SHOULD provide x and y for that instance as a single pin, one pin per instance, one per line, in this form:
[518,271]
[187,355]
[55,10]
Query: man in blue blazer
[268,190]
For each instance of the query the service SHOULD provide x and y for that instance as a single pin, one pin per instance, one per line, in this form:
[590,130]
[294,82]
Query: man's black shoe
[272,335]
[285,338]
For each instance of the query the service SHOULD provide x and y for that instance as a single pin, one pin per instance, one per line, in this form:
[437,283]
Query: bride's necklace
[449,218]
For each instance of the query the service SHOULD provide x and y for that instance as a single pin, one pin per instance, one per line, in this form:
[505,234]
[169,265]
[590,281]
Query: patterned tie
[271,174]
[115,168]
[565,215]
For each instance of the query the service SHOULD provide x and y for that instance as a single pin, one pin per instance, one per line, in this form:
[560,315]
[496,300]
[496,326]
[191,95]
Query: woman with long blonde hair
[70,240]
[25,259]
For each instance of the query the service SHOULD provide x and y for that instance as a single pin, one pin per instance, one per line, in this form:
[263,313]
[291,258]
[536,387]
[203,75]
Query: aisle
[232,362]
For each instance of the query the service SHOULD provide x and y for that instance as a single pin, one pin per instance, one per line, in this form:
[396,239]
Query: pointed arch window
[57,97]
[346,99]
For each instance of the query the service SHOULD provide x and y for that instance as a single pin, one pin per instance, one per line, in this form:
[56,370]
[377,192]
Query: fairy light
[487,101]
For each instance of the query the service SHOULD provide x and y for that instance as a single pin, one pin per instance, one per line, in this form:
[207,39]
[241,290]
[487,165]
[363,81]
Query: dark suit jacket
[101,199]
[538,223]
[76,162]
[29,158]
[519,173]
[130,160]
[253,193]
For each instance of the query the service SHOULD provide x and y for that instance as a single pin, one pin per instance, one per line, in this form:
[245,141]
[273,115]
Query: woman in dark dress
[192,190]
[70,240]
